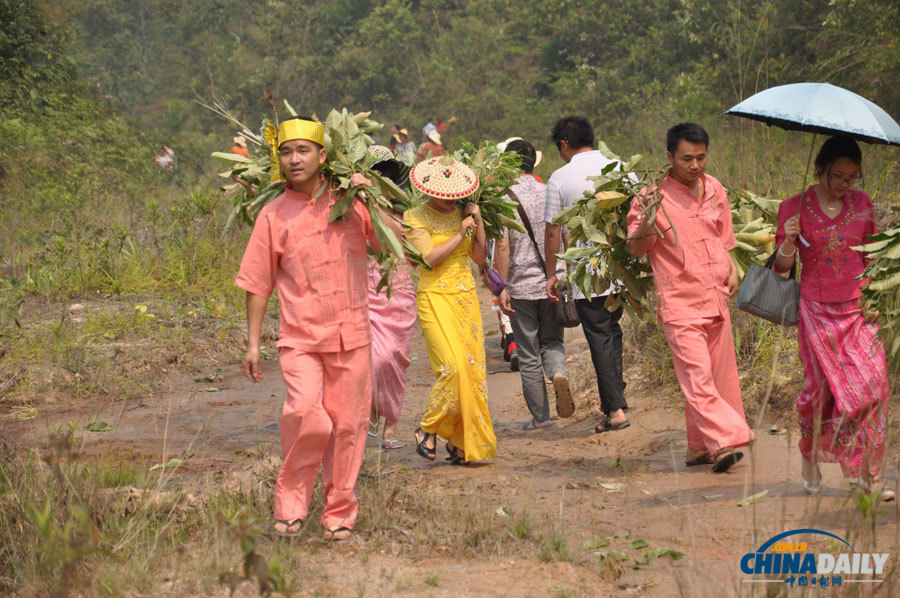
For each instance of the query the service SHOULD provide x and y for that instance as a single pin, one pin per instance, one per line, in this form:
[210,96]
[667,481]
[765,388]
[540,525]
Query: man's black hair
[574,130]
[690,132]
[526,150]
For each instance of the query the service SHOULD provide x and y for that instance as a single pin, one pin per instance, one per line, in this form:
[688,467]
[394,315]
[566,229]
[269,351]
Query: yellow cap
[296,128]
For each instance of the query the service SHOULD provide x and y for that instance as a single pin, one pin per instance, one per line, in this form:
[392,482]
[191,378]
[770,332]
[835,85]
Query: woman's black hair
[393,169]
[526,150]
[835,148]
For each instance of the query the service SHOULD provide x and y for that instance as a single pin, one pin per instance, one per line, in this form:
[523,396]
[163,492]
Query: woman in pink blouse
[843,403]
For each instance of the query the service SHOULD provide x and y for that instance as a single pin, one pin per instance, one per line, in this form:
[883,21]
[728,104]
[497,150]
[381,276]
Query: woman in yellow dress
[449,314]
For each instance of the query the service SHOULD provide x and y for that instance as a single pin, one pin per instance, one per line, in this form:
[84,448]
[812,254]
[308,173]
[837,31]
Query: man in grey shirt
[539,337]
[574,139]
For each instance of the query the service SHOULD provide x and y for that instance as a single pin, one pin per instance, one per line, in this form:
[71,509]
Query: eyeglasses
[847,180]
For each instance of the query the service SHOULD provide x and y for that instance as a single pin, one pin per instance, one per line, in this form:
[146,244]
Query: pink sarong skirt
[843,403]
[393,323]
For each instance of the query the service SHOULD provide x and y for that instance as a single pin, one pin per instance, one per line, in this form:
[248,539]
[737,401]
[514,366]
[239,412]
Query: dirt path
[584,486]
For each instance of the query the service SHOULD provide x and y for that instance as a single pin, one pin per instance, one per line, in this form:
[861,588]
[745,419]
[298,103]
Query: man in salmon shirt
[319,269]
[695,277]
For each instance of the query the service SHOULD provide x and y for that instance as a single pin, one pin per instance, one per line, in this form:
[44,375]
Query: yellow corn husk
[885,283]
[754,226]
[758,239]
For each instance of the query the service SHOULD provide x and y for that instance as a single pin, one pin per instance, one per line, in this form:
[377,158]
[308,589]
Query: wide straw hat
[239,140]
[434,137]
[537,153]
[388,165]
[380,153]
[444,178]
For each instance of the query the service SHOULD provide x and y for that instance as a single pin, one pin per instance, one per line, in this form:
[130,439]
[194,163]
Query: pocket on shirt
[720,261]
[674,266]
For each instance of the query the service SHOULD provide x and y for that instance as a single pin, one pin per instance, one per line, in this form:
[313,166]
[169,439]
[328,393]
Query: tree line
[496,65]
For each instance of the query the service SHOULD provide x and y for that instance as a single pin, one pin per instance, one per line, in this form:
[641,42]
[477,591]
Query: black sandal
[455,458]
[337,534]
[704,459]
[725,459]
[422,445]
[606,425]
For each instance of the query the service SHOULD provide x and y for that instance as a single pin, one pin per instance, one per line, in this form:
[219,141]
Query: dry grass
[72,524]
[117,348]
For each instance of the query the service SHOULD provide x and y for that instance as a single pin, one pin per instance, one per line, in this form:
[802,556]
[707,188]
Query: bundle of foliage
[347,141]
[754,220]
[883,289]
[598,253]
[497,172]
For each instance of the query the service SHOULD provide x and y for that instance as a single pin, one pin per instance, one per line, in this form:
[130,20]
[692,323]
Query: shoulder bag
[770,296]
[566,314]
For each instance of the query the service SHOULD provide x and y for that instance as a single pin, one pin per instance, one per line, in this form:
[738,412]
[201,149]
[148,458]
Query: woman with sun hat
[447,235]
[393,320]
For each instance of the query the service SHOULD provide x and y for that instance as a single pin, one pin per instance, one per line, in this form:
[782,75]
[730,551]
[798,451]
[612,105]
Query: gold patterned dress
[450,318]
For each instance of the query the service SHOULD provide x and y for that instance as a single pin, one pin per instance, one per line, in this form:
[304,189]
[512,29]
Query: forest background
[112,271]
[500,67]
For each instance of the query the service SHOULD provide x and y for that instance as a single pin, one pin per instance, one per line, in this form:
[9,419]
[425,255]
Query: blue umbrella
[820,108]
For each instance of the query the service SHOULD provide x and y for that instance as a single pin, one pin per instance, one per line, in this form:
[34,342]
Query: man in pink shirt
[695,277]
[319,269]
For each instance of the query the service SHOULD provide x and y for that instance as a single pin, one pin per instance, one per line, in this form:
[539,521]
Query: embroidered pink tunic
[845,393]
[830,266]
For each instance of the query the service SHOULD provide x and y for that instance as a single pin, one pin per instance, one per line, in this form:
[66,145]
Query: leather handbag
[566,314]
[768,295]
[564,309]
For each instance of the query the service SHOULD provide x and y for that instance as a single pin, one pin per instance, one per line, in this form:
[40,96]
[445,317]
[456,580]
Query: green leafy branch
[347,141]
[497,172]
[598,254]
[882,292]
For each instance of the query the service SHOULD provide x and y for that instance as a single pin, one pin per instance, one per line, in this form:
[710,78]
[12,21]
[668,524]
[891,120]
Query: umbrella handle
[803,190]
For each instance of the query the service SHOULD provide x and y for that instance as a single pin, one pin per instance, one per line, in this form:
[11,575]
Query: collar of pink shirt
[681,194]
